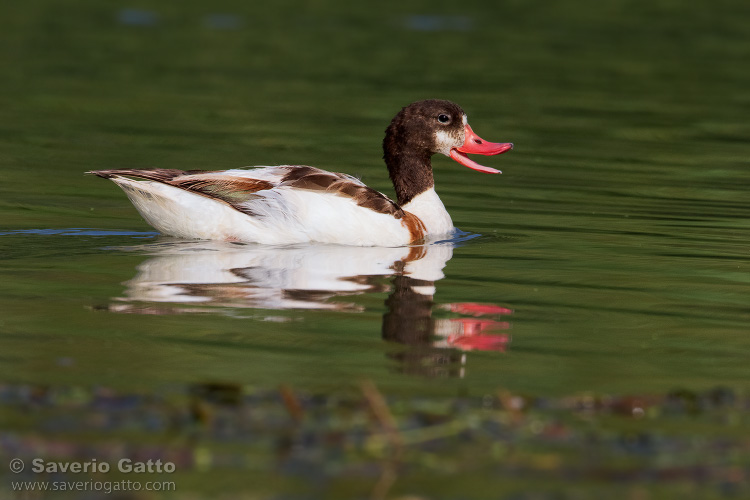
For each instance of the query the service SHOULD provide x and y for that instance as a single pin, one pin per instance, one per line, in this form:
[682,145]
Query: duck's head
[424,128]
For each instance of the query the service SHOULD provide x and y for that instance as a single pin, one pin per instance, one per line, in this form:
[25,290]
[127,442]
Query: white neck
[428,207]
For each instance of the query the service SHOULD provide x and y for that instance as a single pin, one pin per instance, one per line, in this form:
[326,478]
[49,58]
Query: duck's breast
[428,207]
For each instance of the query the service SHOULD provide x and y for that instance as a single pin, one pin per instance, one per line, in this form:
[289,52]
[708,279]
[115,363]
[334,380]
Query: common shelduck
[291,204]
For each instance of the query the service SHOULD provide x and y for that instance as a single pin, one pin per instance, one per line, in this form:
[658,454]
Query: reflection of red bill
[469,326]
[486,342]
[475,309]
[475,334]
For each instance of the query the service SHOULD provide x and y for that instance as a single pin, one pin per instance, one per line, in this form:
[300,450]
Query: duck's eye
[443,118]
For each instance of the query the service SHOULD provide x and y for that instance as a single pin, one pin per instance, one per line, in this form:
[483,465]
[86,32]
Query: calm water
[611,257]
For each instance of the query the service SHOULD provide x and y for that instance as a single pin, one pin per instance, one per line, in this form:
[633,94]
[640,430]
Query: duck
[297,204]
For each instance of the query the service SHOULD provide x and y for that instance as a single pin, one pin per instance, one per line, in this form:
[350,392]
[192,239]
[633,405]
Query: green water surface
[614,249]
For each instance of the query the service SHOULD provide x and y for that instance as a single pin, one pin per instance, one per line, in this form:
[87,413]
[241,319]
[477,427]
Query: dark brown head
[419,131]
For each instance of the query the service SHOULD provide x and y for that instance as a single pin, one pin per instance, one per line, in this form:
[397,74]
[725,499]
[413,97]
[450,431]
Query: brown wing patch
[231,190]
[237,190]
[312,178]
[154,174]
[416,227]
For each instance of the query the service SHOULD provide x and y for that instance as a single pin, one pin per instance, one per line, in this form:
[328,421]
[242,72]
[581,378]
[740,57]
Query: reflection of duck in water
[185,277]
[300,204]
[219,274]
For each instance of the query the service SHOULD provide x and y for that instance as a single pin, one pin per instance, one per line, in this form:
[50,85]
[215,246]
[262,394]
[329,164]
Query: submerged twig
[291,402]
[379,408]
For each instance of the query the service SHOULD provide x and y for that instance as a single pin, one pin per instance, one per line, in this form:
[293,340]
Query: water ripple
[80,231]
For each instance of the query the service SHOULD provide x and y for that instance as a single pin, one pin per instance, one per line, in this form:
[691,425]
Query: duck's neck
[410,172]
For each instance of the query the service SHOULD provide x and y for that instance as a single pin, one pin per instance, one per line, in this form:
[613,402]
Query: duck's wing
[233,190]
[238,188]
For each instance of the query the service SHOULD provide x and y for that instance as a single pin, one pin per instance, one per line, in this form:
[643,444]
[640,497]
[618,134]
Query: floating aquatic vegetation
[361,434]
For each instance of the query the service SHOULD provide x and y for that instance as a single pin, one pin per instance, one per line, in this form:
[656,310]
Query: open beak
[476,145]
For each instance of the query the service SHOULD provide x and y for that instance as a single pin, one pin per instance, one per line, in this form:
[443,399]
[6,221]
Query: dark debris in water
[682,436]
